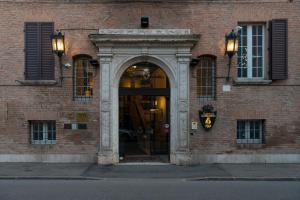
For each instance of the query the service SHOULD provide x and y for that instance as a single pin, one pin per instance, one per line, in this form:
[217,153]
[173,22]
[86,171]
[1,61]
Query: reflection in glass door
[143,125]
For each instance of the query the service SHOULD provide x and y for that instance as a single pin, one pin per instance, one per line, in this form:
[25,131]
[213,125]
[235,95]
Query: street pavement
[148,189]
[282,172]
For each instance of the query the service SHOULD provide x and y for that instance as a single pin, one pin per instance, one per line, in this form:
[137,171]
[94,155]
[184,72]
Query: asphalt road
[152,189]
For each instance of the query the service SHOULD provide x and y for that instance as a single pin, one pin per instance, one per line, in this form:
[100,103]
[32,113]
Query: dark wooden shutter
[32,51]
[39,60]
[279,49]
[47,57]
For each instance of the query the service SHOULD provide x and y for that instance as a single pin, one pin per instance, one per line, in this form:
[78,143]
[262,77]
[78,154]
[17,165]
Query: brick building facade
[257,119]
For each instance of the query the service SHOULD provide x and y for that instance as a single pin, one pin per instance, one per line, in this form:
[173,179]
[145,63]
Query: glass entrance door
[144,113]
[143,125]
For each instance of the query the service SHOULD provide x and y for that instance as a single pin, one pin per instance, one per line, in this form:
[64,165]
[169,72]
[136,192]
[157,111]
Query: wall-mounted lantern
[58,47]
[231,46]
[58,43]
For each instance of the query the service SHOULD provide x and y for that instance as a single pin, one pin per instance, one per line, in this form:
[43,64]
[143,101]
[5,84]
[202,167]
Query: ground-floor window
[43,132]
[250,131]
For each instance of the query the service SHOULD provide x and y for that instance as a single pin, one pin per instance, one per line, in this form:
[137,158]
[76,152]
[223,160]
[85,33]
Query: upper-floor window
[206,79]
[83,77]
[251,52]
[39,59]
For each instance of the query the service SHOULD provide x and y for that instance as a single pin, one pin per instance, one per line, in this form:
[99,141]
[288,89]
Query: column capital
[105,57]
[183,57]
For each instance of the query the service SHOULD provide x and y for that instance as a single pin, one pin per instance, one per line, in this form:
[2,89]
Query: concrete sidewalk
[199,172]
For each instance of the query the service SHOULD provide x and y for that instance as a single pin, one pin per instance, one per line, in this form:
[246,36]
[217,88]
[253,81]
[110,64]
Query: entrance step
[143,163]
[145,159]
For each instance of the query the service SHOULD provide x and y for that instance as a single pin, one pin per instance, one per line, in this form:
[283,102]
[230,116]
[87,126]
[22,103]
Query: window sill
[37,82]
[251,82]
[83,98]
[37,142]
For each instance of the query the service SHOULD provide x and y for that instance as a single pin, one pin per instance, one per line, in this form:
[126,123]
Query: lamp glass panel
[230,45]
[60,44]
[54,46]
[236,43]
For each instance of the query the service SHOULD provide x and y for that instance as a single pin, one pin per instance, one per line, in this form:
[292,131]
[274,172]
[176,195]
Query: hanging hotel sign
[207,116]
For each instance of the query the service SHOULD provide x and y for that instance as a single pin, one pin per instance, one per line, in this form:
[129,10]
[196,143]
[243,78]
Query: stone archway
[120,48]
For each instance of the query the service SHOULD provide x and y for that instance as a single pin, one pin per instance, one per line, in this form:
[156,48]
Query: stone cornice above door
[145,37]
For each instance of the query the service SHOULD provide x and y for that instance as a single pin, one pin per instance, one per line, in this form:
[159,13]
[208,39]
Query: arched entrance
[119,49]
[144,114]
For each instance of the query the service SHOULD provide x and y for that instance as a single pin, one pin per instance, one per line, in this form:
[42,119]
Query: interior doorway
[144,114]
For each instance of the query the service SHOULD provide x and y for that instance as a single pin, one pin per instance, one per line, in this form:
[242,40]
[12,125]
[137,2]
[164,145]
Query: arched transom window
[83,77]
[206,77]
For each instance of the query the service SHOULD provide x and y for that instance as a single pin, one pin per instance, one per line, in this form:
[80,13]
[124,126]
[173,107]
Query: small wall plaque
[194,125]
[226,88]
[81,117]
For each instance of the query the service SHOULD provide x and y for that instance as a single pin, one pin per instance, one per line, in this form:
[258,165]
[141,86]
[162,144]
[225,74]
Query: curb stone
[245,179]
[49,178]
[186,179]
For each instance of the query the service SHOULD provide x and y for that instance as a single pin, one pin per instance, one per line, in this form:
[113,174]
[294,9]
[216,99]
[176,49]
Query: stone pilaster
[105,154]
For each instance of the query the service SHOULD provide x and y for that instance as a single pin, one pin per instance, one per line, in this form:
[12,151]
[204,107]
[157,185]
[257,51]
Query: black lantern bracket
[231,46]
[58,47]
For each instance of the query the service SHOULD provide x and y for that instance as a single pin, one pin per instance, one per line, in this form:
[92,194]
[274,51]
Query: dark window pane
[245,72]
[254,40]
[244,30]
[260,51]
[257,135]
[254,30]
[254,72]
[259,28]
[244,41]
[259,40]
[259,72]
[35,136]
[254,62]
[251,133]
[254,51]
[259,60]
[52,135]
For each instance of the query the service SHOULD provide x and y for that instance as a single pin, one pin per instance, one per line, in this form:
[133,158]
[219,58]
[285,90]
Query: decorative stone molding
[121,48]
[144,37]
[145,31]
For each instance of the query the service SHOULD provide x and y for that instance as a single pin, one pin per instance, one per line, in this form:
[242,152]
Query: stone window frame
[249,39]
[245,127]
[42,126]
[90,69]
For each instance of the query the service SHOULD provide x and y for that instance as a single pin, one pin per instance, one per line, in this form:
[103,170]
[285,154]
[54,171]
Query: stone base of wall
[49,158]
[244,158]
[181,159]
[108,158]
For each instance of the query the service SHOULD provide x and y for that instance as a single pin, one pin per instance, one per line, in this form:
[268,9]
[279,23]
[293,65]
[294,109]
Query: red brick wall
[278,103]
